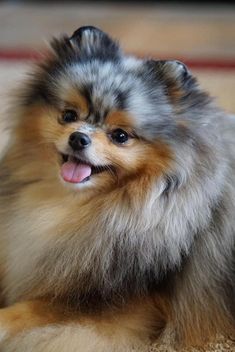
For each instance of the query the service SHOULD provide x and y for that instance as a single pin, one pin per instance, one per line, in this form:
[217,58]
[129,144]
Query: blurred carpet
[221,344]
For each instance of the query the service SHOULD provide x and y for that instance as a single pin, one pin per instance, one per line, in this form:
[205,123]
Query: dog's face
[100,146]
[106,118]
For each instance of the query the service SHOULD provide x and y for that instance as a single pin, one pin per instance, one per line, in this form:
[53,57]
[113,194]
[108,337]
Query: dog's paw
[4,333]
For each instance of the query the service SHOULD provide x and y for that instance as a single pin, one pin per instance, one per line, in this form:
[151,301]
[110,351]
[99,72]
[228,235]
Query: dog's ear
[91,41]
[171,69]
[176,79]
[178,69]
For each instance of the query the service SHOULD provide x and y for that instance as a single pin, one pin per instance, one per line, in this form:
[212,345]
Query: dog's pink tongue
[74,172]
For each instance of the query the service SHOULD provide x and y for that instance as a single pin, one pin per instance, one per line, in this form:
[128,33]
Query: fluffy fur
[147,243]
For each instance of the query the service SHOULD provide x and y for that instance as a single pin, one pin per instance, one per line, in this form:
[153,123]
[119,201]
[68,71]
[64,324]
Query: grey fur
[185,229]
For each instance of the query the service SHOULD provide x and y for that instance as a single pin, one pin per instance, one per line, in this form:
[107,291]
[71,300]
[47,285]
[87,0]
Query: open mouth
[75,170]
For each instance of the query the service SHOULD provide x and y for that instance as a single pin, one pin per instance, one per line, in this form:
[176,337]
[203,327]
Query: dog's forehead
[125,85]
[108,85]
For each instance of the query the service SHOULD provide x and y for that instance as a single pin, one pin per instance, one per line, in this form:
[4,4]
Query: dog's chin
[78,173]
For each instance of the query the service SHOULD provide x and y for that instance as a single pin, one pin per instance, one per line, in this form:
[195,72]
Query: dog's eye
[69,116]
[119,136]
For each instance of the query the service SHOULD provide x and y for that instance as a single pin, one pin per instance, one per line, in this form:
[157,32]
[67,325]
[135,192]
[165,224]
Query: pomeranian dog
[117,205]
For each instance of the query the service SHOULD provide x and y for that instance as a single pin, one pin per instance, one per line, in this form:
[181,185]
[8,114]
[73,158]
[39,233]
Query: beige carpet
[220,345]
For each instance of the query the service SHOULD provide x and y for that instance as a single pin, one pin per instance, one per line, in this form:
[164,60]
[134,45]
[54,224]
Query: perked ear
[177,80]
[91,41]
[176,69]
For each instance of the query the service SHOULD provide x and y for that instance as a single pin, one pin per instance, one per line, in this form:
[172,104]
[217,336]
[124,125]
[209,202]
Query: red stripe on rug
[196,63]
[19,55]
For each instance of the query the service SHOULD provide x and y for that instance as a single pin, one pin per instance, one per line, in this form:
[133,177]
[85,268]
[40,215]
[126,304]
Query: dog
[117,205]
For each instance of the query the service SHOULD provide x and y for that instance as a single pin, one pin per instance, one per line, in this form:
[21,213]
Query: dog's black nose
[79,140]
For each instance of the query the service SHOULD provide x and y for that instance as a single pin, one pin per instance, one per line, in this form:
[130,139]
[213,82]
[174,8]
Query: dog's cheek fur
[133,159]
[43,136]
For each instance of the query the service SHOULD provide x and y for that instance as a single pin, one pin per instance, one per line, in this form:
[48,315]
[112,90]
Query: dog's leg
[26,316]
[40,327]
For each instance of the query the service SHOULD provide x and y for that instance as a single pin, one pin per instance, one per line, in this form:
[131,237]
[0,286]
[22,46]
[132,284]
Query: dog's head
[106,117]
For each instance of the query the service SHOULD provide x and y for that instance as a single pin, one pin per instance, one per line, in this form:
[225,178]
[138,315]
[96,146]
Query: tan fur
[195,329]
[120,119]
[74,99]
